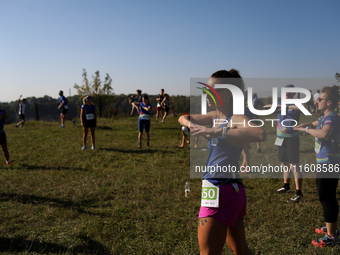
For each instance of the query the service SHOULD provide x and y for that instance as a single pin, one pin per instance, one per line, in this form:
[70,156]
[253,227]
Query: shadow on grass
[141,151]
[21,245]
[104,128]
[137,151]
[170,128]
[33,167]
[52,202]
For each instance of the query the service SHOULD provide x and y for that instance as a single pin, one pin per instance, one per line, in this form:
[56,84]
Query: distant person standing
[258,104]
[88,118]
[165,105]
[132,99]
[22,106]
[135,99]
[316,97]
[144,120]
[64,108]
[3,140]
[160,99]
[288,143]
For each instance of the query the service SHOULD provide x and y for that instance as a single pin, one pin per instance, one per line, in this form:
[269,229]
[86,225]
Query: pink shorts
[232,206]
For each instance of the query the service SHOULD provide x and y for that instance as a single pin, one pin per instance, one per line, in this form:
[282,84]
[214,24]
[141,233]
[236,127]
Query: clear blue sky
[44,45]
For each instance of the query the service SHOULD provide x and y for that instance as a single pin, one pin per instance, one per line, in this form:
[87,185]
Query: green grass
[118,199]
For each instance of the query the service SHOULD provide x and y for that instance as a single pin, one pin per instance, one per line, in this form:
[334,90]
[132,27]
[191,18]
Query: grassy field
[118,199]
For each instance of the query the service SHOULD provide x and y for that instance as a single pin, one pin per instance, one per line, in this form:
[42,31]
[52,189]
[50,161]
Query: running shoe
[283,190]
[84,147]
[16,126]
[62,126]
[8,163]
[326,241]
[162,120]
[259,151]
[93,147]
[324,231]
[296,198]
[74,122]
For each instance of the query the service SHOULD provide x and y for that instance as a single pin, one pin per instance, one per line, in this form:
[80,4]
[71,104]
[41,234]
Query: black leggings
[327,195]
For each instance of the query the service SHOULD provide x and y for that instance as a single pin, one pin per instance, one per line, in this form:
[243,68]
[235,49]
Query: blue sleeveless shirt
[222,158]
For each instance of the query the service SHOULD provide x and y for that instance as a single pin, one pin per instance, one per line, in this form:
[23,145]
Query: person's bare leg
[297,175]
[62,119]
[85,131]
[5,151]
[287,172]
[93,138]
[211,235]
[236,238]
[331,228]
[246,155]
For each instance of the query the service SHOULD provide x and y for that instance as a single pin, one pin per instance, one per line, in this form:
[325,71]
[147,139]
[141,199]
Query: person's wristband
[307,129]
[225,131]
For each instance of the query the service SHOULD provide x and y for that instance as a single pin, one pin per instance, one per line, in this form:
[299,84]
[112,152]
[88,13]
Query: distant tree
[102,92]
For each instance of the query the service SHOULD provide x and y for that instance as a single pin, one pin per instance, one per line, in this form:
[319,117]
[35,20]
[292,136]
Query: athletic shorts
[289,150]
[142,124]
[166,109]
[64,111]
[22,116]
[159,108]
[89,123]
[3,137]
[232,206]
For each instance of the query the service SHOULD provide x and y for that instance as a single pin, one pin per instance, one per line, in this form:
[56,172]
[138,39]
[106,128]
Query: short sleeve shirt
[2,121]
[329,151]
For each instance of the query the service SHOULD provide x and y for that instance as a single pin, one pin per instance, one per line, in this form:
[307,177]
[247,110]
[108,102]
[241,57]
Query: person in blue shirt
[64,109]
[221,219]
[3,140]
[326,131]
[88,118]
[144,120]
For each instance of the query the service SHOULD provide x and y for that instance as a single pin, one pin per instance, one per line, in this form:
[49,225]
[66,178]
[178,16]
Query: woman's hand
[204,131]
[299,128]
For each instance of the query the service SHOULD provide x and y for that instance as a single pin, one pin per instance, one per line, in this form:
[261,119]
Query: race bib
[144,116]
[66,106]
[89,116]
[279,141]
[317,145]
[210,194]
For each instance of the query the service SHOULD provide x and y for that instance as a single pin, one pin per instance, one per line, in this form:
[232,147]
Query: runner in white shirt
[22,106]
